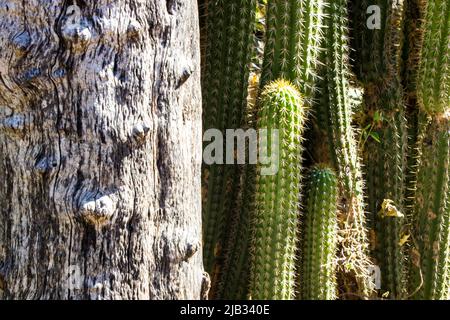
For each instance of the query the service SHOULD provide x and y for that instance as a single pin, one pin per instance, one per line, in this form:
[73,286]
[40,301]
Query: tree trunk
[100,141]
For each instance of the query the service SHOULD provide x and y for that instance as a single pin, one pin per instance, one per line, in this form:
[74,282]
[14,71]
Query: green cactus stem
[431,251]
[335,108]
[234,278]
[433,79]
[293,35]
[411,50]
[379,49]
[379,67]
[386,159]
[431,216]
[386,168]
[229,35]
[320,236]
[236,270]
[276,219]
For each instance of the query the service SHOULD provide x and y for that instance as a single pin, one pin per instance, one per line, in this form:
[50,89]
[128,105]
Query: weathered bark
[100,141]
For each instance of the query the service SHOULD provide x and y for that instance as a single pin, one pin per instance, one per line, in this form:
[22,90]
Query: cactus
[335,108]
[234,278]
[320,236]
[293,37]
[433,79]
[412,47]
[431,221]
[378,51]
[386,165]
[228,53]
[401,91]
[235,275]
[431,251]
[379,67]
[276,218]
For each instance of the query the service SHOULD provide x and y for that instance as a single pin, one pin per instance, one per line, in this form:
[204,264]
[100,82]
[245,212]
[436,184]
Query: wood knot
[184,75]
[77,37]
[98,211]
[134,30]
[15,123]
[30,75]
[59,73]
[172,6]
[74,30]
[184,69]
[140,132]
[46,164]
[22,42]
[3,285]
[192,247]
[206,286]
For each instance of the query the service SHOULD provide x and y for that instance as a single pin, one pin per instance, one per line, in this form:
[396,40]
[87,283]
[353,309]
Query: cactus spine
[229,49]
[320,236]
[335,107]
[293,37]
[431,252]
[276,221]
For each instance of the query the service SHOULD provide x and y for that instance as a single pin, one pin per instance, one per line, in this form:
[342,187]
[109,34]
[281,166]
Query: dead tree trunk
[100,140]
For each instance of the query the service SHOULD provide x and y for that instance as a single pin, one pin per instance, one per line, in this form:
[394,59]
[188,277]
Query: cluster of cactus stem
[335,105]
[228,48]
[431,210]
[364,114]
[385,146]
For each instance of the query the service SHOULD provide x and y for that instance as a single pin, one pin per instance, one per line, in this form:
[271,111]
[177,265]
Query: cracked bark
[100,140]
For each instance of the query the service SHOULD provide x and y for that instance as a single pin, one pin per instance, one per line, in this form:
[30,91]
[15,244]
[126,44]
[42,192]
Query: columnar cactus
[379,68]
[433,78]
[235,271]
[276,220]
[235,274]
[378,48]
[386,167]
[320,237]
[335,107]
[228,53]
[293,35]
[431,251]
[401,94]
